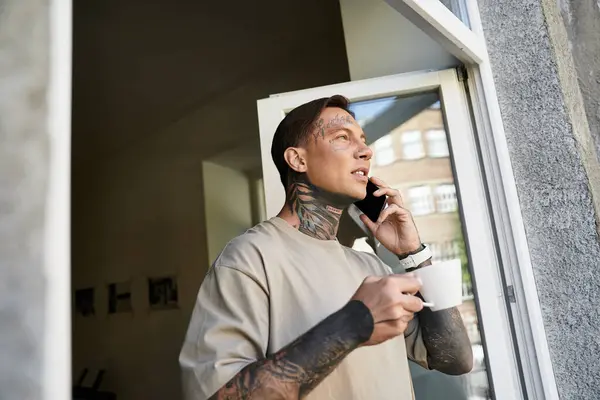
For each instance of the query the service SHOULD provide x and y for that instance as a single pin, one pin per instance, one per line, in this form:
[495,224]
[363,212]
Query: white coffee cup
[442,284]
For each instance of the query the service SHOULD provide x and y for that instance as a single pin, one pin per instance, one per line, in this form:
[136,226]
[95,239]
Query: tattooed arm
[299,367]
[448,346]
[446,340]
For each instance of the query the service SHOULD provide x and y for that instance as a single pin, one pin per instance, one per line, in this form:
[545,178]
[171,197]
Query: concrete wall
[135,218]
[227,204]
[380,42]
[24,176]
[582,21]
[556,176]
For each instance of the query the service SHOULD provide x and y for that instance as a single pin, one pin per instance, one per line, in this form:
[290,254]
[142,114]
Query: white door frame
[514,250]
[477,220]
[56,368]
[468,45]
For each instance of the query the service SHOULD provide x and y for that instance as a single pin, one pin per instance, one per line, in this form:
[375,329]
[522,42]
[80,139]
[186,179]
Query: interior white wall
[380,42]
[228,207]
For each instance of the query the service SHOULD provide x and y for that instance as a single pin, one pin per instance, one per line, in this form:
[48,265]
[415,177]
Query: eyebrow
[334,129]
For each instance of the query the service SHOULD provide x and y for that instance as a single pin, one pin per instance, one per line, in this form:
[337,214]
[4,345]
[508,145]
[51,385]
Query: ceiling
[181,78]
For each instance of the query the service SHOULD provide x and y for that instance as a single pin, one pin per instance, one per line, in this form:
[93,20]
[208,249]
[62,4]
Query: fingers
[387,191]
[411,303]
[372,226]
[404,283]
[393,196]
[396,326]
[391,210]
[378,182]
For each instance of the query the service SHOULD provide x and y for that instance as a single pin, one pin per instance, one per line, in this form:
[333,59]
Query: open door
[420,130]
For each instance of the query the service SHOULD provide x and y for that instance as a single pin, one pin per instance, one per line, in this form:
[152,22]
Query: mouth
[361,174]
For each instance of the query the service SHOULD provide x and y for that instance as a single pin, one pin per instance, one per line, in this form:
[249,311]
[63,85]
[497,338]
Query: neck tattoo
[318,212]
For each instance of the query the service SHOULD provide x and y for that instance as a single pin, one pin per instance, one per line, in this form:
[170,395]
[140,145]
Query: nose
[364,152]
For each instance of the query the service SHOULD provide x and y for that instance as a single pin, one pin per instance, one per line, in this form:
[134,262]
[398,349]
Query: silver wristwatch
[414,260]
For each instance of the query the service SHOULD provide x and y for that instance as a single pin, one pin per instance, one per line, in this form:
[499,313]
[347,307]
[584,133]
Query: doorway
[163,95]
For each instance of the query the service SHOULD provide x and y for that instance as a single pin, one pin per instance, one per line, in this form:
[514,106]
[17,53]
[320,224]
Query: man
[286,312]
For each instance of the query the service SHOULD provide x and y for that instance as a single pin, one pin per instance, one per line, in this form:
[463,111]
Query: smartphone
[371,206]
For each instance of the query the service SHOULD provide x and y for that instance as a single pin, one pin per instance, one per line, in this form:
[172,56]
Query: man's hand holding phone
[394,227]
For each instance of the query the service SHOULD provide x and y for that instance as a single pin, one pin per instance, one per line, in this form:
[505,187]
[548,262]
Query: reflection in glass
[459,9]
[410,146]
[384,151]
[420,200]
[437,145]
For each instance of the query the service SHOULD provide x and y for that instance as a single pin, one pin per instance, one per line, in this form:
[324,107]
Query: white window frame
[435,19]
[467,44]
[496,325]
[514,249]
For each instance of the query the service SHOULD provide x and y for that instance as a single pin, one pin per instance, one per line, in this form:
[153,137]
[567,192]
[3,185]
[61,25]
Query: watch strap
[412,261]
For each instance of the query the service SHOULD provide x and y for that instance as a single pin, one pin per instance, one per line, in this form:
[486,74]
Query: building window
[437,145]
[445,251]
[445,198]
[421,200]
[412,145]
[384,151]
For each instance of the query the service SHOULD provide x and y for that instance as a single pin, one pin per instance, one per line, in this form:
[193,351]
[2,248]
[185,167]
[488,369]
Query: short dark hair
[296,127]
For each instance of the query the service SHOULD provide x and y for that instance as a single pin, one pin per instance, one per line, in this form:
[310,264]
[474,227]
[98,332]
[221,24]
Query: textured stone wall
[23,175]
[582,21]
[556,173]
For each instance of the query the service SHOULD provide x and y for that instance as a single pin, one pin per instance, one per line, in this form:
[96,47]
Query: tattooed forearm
[446,339]
[448,345]
[298,368]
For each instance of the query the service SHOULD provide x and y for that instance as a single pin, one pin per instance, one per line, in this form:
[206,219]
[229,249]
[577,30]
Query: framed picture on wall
[162,293]
[119,297]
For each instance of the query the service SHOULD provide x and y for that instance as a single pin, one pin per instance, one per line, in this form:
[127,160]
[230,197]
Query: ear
[295,158]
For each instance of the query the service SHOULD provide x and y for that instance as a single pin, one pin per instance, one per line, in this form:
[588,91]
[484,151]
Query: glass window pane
[458,8]
[420,200]
[437,145]
[412,145]
[383,151]
[415,138]
[445,197]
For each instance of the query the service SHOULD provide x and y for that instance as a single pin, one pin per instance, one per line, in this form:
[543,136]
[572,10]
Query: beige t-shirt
[268,287]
